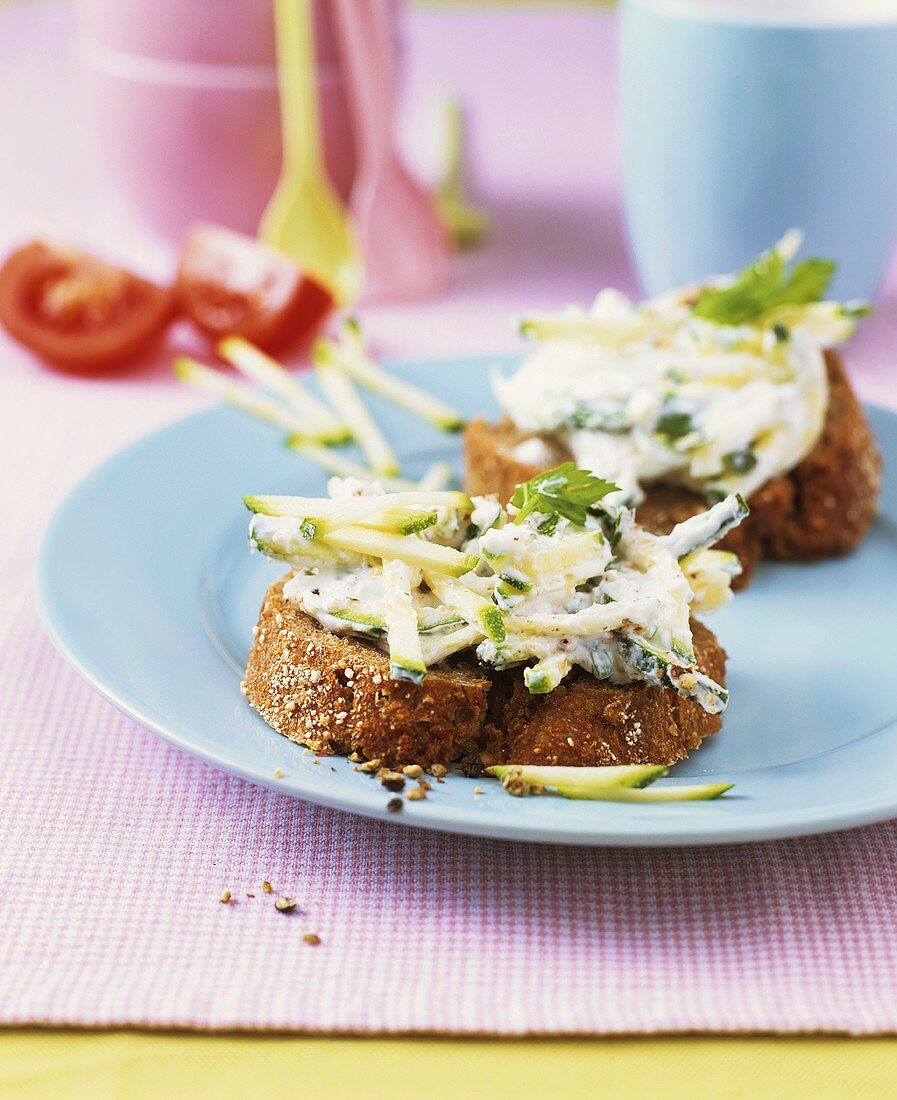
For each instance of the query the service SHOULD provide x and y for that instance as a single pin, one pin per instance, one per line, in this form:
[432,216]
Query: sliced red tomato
[231,284]
[77,311]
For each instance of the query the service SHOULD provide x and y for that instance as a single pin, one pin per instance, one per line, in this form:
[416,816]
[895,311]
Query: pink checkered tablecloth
[115,847]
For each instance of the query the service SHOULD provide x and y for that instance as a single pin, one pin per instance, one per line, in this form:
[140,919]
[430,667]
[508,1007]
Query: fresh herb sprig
[764,285]
[564,492]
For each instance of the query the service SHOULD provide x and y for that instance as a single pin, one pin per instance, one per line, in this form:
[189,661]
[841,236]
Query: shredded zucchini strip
[439,476]
[351,357]
[305,507]
[475,609]
[545,675]
[340,466]
[200,377]
[345,397]
[625,783]
[703,530]
[438,647]
[580,327]
[406,658]
[404,548]
[279,382]
[591,620]
[466,223]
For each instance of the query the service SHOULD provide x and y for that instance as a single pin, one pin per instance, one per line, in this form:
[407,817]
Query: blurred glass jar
[181,99]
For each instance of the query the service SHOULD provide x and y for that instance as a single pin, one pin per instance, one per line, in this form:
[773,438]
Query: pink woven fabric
[114,847]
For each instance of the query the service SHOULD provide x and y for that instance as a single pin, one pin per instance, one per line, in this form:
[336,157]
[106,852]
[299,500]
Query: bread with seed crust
[333,694]
[821,508]
[585,722]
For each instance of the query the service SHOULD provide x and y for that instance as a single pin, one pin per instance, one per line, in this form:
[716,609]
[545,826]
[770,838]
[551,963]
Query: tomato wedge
[77,311]
[231,284]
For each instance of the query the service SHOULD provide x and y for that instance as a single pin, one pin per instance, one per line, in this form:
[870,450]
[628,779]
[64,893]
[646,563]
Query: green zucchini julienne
[701,792]
[347,401]
[587,779]
[625,783]
[661,667]
[350,356]
[406,658]
[200,377]
[409,549]
[279,382]
[465,223]
[339,465]
[472,607]
[437,646]
[438,476]
[706,528]
[429,619]
[544,676]
[590,620]
[303,507]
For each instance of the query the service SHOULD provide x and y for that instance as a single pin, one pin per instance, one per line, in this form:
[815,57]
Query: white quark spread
[533,452]
[521,585]
[649,392]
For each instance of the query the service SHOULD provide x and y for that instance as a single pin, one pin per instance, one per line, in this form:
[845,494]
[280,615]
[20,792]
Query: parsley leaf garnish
[765,285]
[564,492]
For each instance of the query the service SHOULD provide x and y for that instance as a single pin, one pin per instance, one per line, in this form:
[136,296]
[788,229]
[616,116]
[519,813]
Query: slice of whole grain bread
[333,694]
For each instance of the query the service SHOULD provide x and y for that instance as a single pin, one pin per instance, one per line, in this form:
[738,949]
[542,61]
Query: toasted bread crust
[489,462]
[823,507]
[297,681]
[584,722]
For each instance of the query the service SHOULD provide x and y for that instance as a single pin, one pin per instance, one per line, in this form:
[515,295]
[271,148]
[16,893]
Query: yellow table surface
[72,1065]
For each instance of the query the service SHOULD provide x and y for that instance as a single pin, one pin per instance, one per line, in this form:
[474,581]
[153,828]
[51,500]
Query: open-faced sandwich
[729,387]
[421,628]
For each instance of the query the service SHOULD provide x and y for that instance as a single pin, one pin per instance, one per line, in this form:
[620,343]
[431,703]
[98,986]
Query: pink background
[116,846]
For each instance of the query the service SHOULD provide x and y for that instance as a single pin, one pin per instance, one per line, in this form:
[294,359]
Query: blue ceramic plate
[149,591]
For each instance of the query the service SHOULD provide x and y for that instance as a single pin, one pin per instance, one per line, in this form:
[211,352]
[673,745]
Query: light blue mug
[740,120]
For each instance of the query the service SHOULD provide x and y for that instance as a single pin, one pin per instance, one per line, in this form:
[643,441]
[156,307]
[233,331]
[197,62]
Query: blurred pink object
[220,32]
[183,104]
[405,247]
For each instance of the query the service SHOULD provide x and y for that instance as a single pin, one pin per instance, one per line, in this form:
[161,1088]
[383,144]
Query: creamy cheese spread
[520,587]
[649,392]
